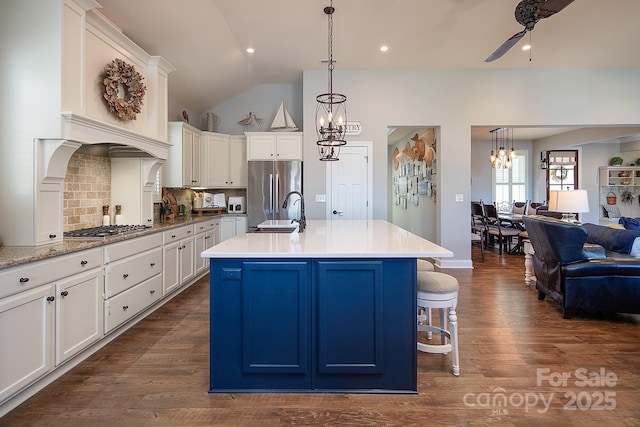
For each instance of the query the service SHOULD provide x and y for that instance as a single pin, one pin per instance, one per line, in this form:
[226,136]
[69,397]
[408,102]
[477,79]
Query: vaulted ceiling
[206,39]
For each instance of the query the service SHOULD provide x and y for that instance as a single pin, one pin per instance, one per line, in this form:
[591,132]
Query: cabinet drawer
[176,234]
[121,275]
[129,303]
[127,248]
[206,225]
[27,276]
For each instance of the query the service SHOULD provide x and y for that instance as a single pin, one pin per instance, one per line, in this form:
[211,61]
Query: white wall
[263,100]
[455,100]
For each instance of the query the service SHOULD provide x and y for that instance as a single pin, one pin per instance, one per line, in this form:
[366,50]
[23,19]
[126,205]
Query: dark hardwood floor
[514,350]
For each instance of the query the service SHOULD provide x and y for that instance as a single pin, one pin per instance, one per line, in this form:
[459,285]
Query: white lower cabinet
[178,254]
[206,237]
[78,313]
[231,226]
[26,337]
[54,309]
[44,324]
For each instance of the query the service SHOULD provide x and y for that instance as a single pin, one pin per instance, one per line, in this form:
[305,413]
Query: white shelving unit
[618,180]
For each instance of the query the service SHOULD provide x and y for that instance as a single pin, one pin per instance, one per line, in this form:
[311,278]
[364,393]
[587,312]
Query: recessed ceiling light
[250,50]
[384,48]
[526,47]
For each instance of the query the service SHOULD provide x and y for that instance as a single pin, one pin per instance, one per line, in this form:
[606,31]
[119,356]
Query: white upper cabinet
[224,160]
[274,145]
[182,168]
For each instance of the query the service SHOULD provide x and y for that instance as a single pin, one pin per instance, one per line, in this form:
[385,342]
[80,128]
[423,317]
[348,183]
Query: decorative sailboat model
[283,121]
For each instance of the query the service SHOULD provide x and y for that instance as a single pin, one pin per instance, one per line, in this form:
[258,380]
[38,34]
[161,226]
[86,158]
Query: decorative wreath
[119,74]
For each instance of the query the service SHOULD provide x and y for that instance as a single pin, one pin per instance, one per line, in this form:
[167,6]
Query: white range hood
[84,130]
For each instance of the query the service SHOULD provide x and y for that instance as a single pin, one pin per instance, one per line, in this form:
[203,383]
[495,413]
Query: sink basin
[275,229]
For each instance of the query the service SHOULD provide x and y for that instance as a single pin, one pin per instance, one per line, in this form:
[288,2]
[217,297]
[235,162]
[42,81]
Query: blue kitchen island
[331,309]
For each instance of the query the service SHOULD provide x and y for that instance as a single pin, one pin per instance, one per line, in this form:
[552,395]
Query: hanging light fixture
[501,141]
[331,111]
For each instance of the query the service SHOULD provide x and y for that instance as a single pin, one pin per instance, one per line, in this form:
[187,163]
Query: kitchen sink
[275,229]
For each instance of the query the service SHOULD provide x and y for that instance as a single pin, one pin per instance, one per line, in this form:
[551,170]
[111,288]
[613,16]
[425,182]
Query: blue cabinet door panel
[275,318]
[350,322]
[247,346]
[379,319]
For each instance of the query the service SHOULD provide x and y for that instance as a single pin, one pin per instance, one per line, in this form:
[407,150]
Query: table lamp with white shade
[569,202]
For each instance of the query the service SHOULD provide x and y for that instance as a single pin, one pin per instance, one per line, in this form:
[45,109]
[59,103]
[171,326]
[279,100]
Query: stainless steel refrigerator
[269,183]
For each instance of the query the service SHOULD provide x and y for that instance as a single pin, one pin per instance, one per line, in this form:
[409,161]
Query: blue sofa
[580,275]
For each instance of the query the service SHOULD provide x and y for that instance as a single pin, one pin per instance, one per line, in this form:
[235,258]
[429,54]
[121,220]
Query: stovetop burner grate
[103,232]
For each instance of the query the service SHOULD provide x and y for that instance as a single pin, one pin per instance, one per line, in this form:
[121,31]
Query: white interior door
[350,183]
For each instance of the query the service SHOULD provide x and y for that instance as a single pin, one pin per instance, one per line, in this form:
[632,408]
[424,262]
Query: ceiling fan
[528,13]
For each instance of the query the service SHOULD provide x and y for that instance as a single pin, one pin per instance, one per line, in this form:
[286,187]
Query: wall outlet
[459,198]
[321,198]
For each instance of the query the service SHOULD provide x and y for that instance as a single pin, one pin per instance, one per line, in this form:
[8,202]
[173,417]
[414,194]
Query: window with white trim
[511,184]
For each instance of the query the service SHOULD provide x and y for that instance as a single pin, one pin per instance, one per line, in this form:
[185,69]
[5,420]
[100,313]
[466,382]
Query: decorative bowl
[624,174]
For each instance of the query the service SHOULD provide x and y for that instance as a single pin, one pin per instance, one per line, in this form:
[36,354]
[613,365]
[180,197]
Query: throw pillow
[613,211]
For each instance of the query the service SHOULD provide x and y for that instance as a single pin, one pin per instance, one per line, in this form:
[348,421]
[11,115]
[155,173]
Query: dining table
[515,219]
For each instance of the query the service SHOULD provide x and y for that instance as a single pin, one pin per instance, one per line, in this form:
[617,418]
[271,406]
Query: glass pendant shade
[501,141]
[331,120]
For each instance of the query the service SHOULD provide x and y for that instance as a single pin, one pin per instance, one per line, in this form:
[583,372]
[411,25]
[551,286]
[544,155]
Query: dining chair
[533,208]
[519,208]
[478,232]
[504,234]
[503,206]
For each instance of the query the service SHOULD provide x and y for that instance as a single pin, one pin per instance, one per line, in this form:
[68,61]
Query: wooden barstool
[439,290]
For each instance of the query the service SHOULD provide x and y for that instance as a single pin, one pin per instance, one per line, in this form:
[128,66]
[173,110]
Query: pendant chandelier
[331,111]
[501,140]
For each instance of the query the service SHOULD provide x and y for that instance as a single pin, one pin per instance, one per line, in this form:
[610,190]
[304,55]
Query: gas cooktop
[103,232]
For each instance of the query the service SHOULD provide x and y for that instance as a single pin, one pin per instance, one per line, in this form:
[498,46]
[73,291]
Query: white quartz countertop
[330,239]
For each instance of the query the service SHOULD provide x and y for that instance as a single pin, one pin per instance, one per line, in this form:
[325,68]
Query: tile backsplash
[87,187]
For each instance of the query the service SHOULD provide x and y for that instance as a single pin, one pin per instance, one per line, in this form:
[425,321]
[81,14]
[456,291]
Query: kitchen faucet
[302,222]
